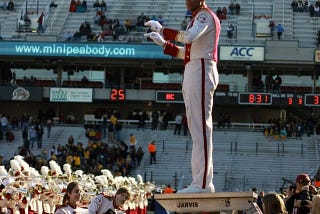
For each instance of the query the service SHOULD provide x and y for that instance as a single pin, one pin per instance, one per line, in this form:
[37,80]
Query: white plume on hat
[107,173]
[3,171]
[44,170]
[101,179]
[78,173]
[55,168]
[23,164]
[34,172]
[14,164]
[67,169]
[140,179]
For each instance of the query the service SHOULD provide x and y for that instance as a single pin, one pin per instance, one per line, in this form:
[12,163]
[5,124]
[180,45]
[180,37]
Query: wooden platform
[206,202]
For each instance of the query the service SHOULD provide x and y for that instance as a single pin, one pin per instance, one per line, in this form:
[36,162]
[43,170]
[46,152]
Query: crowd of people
[306,6]
[59,189]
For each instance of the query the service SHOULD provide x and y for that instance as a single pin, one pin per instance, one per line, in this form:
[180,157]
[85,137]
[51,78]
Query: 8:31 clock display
[254,98]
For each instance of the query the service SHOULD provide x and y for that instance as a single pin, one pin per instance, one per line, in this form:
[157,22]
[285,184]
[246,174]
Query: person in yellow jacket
[152,150]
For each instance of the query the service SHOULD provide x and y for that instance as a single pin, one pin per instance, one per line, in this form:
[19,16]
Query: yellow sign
[317,56]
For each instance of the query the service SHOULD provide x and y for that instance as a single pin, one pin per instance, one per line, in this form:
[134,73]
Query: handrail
[89,119]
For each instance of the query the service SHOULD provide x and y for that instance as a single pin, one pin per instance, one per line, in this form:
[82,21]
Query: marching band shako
[24,190]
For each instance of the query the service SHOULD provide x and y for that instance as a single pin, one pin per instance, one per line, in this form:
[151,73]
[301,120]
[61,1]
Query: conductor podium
[206,202]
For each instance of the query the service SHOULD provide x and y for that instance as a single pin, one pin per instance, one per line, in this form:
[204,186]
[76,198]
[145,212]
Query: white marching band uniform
[23,190]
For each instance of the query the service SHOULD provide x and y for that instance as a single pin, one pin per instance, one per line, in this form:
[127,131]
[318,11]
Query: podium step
[206,202]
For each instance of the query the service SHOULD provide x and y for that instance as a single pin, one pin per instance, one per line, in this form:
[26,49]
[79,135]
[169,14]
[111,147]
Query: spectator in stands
[184,24]
[10,5]
[168,189]
[84,81]
[139,155]
[53,4]
[299,199]
[283,133]
[84,5]
[133,141]
[40,21]
[269,82]
[130,25]
[40,132]
[160,20]
[178,125]
[271,26]
[273,204]
[118,128]
[68,36]
[294,5]
[184,125]
[71,118]
[311,10]
[232,8]
[103,6]
[277,84]
[152,149]
[3,5]
[280,31]
[154,120]
[257,84]
[32,136]
[85,29]
[140,22]
[49,127]
[219,13]
[167,116]
[300,6]
[79,8]
[4,123]
[306,5]
[238,8]
[230,31]
[224,13]
[317,9]
[76,36]
[73,6]
[9,136]
[96,5]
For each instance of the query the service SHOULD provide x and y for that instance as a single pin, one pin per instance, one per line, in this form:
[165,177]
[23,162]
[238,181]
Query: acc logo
[241,51]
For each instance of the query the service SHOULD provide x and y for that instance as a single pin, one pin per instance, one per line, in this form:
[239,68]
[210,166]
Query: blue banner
[95,50]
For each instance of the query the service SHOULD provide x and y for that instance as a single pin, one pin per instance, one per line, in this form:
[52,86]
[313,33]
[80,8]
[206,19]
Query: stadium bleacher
[243,157]
[298,26]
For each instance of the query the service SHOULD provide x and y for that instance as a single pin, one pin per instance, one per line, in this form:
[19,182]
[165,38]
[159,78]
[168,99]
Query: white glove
[156,37]
[154,25]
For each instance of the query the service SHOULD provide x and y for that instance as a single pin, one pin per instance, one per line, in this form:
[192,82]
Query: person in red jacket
[201,77]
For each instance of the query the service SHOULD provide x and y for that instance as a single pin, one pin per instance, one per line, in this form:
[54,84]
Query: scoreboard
[248,98]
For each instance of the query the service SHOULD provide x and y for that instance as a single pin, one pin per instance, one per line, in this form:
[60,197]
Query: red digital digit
[121,94]
[113,95]
[259,98]
[300,101]
[251,98]
[316,100]
[290,101]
